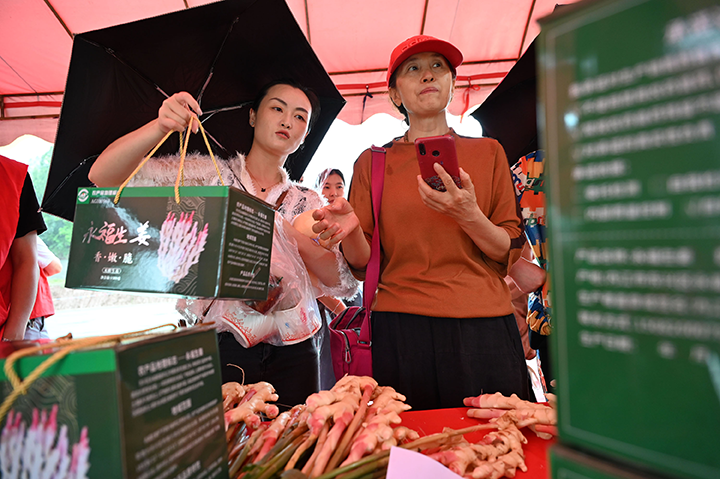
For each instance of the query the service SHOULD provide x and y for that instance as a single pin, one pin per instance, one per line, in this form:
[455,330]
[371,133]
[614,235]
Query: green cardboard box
[631,130]
[216,242]
[146,408]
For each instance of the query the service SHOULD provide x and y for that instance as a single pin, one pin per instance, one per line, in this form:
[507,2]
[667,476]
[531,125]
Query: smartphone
[437,149]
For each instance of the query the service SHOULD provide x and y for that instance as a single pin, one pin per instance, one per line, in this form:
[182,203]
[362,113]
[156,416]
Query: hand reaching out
[335,221]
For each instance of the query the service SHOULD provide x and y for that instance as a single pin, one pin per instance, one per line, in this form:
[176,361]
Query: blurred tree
[57,237]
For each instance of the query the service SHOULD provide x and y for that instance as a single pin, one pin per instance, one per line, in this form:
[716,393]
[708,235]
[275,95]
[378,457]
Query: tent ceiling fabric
[352,38]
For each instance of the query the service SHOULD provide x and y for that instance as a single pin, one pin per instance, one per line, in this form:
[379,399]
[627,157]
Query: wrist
[471,218]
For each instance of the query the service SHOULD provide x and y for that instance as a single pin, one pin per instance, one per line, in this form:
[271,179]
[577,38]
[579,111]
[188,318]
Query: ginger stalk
[318,447]
[353,427]
[272,433]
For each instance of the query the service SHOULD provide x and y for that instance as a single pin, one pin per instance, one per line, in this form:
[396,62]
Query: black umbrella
[508,114]
[221,53]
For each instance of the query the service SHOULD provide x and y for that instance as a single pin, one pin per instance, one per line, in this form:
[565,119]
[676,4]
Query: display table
[433,421]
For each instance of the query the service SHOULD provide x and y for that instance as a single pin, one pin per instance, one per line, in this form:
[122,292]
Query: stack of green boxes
[631,98]
[146,408]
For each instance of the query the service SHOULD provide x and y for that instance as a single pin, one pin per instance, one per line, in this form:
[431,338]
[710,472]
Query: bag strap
[372,275]
[183,151]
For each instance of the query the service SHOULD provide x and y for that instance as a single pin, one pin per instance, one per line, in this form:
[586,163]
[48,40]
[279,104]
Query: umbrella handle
[181,177]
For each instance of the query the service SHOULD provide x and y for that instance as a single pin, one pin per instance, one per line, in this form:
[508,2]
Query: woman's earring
[252,123]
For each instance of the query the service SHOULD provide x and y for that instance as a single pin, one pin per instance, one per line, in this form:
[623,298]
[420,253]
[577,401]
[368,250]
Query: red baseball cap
[421,44]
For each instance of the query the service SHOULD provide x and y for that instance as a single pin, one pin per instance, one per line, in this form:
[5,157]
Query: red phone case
[437,149]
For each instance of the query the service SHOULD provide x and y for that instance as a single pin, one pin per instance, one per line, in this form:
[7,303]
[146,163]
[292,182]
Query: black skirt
[437,362]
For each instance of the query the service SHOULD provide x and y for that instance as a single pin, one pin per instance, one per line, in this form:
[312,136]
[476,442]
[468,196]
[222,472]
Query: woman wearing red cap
[443,325]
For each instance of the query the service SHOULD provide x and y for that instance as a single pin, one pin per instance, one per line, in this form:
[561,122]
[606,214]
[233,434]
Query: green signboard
[216,242]
[150,408]
[631,97]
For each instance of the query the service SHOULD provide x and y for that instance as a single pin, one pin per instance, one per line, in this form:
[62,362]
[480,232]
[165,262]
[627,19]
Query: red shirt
[12,177]
[43,303]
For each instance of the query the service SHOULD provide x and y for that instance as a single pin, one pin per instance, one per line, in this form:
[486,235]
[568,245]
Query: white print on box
[180,245]
[35,452]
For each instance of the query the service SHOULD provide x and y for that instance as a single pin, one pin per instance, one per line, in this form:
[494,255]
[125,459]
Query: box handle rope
[65,347]
[183,152]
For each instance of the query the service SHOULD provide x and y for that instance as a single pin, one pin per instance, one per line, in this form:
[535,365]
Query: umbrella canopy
[221,53]
[509,114]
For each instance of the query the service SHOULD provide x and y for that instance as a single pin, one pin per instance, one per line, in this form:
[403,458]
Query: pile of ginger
[499,453]
[357,419]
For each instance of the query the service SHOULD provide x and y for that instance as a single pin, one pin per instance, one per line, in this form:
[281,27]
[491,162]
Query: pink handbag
[350,331]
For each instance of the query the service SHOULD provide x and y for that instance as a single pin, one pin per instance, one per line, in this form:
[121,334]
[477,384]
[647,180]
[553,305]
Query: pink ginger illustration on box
[39,451]
[180,245]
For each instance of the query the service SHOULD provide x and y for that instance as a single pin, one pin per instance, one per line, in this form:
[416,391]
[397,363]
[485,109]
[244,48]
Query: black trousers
[293,370]
[541,344]
[437,362]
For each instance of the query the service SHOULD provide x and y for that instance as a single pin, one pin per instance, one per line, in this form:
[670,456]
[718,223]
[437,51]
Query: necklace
[257,183]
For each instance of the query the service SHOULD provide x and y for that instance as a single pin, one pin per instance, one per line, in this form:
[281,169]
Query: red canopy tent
[352,38]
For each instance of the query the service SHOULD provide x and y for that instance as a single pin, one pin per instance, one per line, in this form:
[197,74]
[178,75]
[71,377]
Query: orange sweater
[429,265]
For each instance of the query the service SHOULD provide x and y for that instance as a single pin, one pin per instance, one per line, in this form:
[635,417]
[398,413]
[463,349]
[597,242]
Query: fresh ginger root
[498,454]
[504,410]
[497,401]
[255,401]
[404,434]
[232,394]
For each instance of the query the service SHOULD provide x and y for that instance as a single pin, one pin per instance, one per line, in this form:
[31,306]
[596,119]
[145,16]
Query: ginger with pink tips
[504,410]
[232,394]
[256,401]
[404,434]
[344,408]
[376,432]
[321,398]
[496,401]
[272,433]
[386,399]
[457,458]
[354,384]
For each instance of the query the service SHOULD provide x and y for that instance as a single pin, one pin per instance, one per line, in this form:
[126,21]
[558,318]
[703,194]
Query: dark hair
[311,96]
[325,174]
[393,82]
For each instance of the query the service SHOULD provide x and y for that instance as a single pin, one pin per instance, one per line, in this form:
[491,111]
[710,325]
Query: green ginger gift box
[216,242]
[146,408]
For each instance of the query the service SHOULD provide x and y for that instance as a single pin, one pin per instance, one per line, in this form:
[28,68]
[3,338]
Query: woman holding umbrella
[442,322]
[281,116]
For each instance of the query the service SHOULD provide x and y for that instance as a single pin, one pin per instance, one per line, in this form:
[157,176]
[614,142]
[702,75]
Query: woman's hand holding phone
[457,203]
[434,150]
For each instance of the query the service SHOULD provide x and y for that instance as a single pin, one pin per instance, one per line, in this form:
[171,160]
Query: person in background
[21,222]
[442,322]
[49,265]
[331,184]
